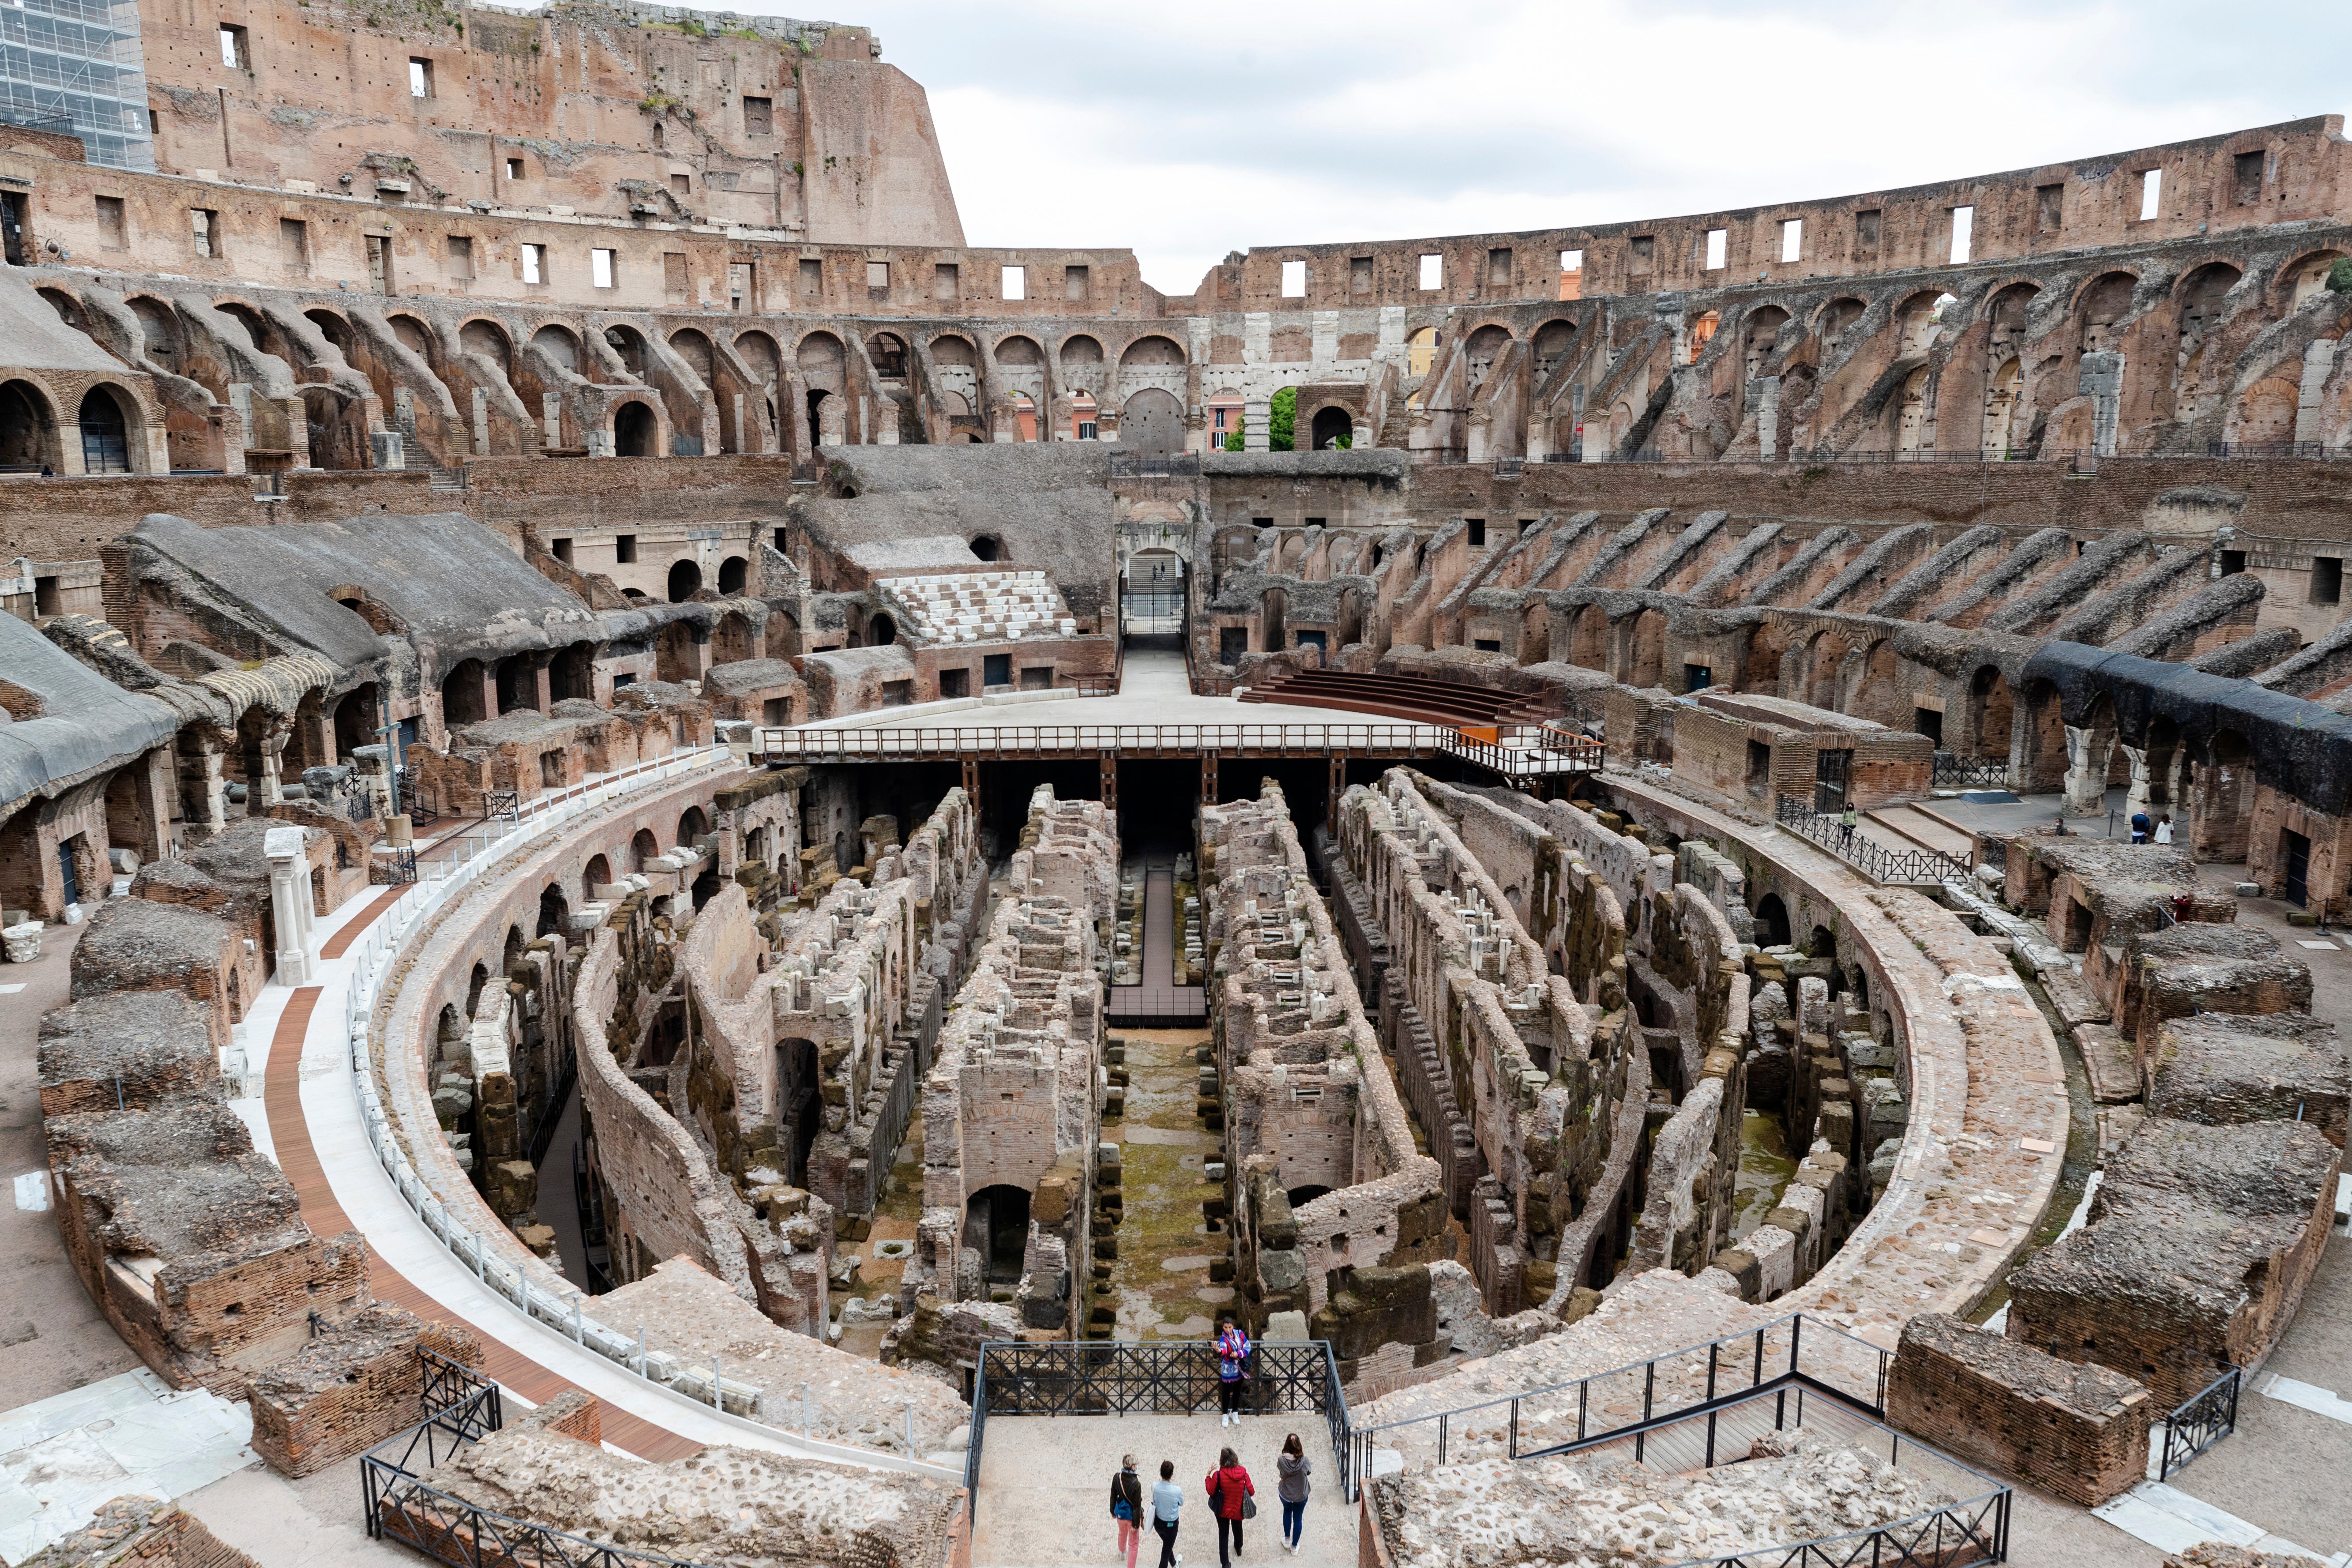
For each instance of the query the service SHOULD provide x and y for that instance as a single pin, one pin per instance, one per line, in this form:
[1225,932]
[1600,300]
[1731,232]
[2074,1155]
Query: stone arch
[1480,351]
[888,352]
[1080,351]
[28,428]
[628,344]
[695,348]
[482,336]
[2265,412]
[1588,642]
[560,344]
[1836,322]
[417,338]
[759,353]
[1019,352]
[2091,757]
[730,639]
[1760,669]
[2041,762]
[1151,422]
[1703,327]
[1151,352]
[819,353]
[1916,324]
[691,824]
[643,847]
[684,580]
[988,547]
[1879,695]
[1551,344]
[1825,654]
[636,429]
[355,718]
[554,912]
[571,673]
[955,350]
[733,574]
[2306,275]
[1333,427]
[1757,334]
[1772,921]
[113,433]
[463,700]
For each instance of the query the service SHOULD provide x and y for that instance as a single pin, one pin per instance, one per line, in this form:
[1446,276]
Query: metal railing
[1954,771]
[1874,860]
[462,1409]
[376,956]
[781,746]
[2201,1421]
[1117,1377]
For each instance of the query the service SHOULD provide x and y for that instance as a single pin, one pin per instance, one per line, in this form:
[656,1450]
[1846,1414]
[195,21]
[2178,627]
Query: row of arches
[105,436]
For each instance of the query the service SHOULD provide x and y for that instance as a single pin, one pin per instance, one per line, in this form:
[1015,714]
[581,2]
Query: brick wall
[142,1531]
[2077,1430]
[358,1382]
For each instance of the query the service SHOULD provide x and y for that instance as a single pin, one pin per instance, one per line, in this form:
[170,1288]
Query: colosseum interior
[677,856]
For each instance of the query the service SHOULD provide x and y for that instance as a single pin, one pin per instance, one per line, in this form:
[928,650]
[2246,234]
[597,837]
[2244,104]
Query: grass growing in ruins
[1163,1184]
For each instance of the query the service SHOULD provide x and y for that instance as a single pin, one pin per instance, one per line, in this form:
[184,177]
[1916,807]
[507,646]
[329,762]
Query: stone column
[290,901]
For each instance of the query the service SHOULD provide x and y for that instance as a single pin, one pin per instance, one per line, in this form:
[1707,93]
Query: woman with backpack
[1294,1467]
[1232,1348]
[1233,1499]
[1127,1506]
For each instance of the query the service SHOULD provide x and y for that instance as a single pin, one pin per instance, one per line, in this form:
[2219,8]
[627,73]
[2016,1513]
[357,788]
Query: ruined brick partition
[2079,1431]
[355,1383]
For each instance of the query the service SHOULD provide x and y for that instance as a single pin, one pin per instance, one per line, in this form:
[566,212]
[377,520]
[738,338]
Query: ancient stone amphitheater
[692,875]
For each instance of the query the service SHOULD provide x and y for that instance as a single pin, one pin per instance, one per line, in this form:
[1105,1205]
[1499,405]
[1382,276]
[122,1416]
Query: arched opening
[1911,412]
[644,849]
[1151,422]
[1823,671]
[518,682]
[1822,943]
[554,912]
[2001,393]
[1702,332]
[1587,641]
[706,886]
[1301,1197]
[684,580]
[988,547]
[1553,341]
[881,631]
[633,431]
[597,873]
[1761,331]
[511,952]
[463,700]
[571,674]
[27,432]
[105,434]
[2103,304]
[996,1226]
[888,353]
[2267,413]
[730,640]
[480,978]
[1479,353]
[1334,430]
[691,825]
[732,572]
[1772,921]
[2043,766]
[1878,694]
[2222,803]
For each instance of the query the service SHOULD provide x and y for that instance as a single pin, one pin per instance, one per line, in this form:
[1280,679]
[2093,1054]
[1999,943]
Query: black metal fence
[1954,771]
[465,1408]
[2201,1421]
[1874,860]
[1119,1377]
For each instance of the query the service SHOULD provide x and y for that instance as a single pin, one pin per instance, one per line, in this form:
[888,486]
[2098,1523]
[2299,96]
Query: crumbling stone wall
[2201,1242]
[2079,1431]
[355,1383]
[140,1532]
[1013,1098]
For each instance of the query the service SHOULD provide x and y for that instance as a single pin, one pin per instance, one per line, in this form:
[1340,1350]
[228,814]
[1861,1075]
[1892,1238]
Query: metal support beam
[971,783]
[1109,763]
[1208,777]
[1339,788]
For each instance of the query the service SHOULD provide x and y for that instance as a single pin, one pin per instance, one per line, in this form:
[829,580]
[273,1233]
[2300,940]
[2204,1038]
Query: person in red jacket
[1230,1489]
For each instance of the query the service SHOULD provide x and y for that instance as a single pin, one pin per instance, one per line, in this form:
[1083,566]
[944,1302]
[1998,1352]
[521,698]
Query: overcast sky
[1185,131]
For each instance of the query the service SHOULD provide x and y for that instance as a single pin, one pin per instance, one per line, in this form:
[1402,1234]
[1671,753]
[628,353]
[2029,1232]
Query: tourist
[1293,1468]
[2163,830]
[1127,1506]
[1847,822]
[1232,1498]
[1232,1348]
[1167,1497]
[2139,826]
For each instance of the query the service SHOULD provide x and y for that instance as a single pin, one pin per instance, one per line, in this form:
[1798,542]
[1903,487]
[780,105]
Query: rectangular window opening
[2248,168]
[1498,268]
[234,53]
[1641,252]
[1865,232]
[1432,271]
[562,547]
[294,243]
[514,168]
[534,264]
[2326,579]
[2049,204]
[420,78]
[681,184]
[758,117]
[1792,238]
[1294,279]
[2151,193]
[812,278]
[1477,531]
[2233,562]
[1964,224]
[204,229]
[461,256]
[1013,283]
[625,548]
[877,278]
[600,268]
[1076,281]
[1360,275]
[1697,676]
[947,280]
[1718,248]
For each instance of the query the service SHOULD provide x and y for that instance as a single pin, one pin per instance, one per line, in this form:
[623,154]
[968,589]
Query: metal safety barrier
[1874,860]
[1953,772]
[2201,1421]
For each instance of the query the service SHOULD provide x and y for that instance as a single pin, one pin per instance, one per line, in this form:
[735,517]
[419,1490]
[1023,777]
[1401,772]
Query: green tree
[2339,277]
[1234,436]
[1282,420]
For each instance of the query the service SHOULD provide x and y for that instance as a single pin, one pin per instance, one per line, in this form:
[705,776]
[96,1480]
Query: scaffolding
[74,67]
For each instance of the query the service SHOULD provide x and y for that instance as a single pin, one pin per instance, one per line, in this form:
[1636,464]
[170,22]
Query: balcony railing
[1874,860]
[1970,773]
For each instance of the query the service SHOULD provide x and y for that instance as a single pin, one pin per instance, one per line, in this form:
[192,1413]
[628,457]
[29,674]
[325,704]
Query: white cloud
[1183,133]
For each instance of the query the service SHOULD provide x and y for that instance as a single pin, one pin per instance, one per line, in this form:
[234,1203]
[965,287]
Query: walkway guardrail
[2201,1421]
[462,1408]
[1119,1377]
[379,952]
[1512,749]
[1874,860]
[1953,772]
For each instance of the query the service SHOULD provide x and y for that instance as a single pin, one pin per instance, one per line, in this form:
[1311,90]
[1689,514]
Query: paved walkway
[1044,1489]
[1157,996]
